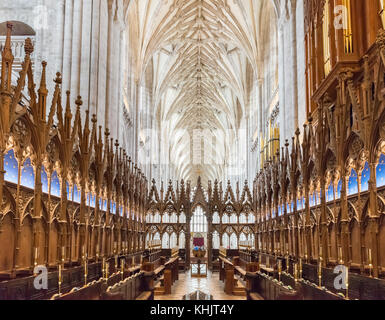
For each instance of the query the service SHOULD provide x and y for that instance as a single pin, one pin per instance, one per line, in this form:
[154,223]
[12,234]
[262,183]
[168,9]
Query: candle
[300,268]
[63,254]
[60,270]
[340,254]
[295,272]
[36,256]
[107,269]
[60,278]
[370,256]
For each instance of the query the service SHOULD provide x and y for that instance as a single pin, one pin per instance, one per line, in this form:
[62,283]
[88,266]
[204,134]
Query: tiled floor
[210,285]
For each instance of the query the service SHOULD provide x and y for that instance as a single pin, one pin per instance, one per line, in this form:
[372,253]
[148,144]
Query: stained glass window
[27,175]
[44,180]
[199,221]
[380,172]
[365,176]
[77,194]
[11,167]
[353,183]
[55,185]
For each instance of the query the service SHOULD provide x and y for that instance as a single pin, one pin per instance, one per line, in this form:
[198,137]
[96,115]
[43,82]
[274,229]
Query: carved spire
[7,61]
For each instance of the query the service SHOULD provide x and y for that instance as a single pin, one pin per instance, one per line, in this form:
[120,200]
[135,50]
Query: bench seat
[146,295]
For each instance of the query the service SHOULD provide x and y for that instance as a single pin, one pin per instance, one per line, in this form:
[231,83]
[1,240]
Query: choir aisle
[210,285]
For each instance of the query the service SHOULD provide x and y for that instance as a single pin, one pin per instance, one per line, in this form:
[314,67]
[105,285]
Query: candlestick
[103,267]
[370,262]
[63,254]
[320,273]
[295,272]
[122,268]
[300,268]
[107,270]
[85,272]
[36,256]
[60,278]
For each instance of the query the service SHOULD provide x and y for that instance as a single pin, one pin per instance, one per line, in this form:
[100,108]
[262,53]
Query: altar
[199,260]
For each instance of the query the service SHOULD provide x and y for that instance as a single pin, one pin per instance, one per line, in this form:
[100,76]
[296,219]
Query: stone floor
[210,285]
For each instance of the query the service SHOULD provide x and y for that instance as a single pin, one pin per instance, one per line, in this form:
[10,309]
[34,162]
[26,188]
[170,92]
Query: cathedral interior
[192,149]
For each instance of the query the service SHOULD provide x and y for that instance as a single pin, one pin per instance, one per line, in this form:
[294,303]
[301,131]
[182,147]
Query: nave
[210,285]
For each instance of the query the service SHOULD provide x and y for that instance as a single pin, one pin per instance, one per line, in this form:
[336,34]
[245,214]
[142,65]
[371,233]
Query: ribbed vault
[205,56]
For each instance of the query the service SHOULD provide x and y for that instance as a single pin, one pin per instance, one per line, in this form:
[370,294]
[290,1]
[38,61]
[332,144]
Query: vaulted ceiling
[205,56]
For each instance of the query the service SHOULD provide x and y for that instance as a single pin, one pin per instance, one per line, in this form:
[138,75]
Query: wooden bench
[132,288]
[262,286]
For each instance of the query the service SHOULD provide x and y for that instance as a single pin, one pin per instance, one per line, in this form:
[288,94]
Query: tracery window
[353,183]
[365,176]
[27,175]
[216,218]
[182,218]
[380,172]
[216,241]
[173,240]
[166,241]
[233,218]
[199,221]
[182,240]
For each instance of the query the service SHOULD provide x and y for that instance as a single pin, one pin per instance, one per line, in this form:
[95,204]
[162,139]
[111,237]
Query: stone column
[295,64]
[76,49]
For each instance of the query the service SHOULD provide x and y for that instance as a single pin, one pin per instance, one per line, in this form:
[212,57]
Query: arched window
[156,236]
[365,176]
[339,188]
[173,240]
[11,167]
[326,38]
[198,221]
[225,218]
[233,219]
[182,240]
[69,194]
[166,218]
[157,218]
[174,218]
[55,186]
[380,172]
[233,241]
[353,183]
[44,180]
[216,218]
[166,241]
[27,175]
[216,242]
[330,193]
[251,218]
[226,241]
[182,218]
[242,218]
[77,194]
